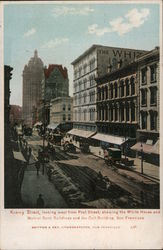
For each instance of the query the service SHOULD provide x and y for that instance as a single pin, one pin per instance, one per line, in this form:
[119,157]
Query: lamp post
[43,143]
[141,158]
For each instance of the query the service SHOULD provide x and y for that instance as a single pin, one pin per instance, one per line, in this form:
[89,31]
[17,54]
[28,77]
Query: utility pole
[43,166]
[141,158]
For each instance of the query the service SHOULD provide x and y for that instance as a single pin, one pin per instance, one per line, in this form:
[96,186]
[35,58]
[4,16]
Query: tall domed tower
[33,74]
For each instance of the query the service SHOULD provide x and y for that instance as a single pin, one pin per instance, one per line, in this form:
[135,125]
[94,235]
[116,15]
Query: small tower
[35,53]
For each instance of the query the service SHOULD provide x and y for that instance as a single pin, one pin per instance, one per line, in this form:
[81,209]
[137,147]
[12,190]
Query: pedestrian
[40,201]
[29,154]
[49,173]
[37,164]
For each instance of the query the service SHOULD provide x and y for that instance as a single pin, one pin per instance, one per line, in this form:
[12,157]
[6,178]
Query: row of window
[68,117]
[153,120]
[85,83]
[152,74]
[84,115]
[122,113]
[82,99]
[68,107]
[126,88]
[153,96]
[87,67]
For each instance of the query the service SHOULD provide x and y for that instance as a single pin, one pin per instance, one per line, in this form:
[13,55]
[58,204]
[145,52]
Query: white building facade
[95,62]
[61,110]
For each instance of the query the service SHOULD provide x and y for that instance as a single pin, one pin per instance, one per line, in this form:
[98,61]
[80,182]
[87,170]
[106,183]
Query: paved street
[73,175]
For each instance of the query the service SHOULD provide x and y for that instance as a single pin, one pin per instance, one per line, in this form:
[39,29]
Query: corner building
[93,63]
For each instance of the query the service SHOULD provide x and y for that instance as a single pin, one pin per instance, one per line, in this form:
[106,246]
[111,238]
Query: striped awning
[146,148]
[117,140]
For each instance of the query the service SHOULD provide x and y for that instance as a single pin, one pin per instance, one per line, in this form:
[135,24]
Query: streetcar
[112,155]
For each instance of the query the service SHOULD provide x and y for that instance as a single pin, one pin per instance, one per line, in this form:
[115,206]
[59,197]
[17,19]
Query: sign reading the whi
[120,53]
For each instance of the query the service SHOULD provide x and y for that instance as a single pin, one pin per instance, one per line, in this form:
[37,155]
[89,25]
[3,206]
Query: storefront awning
[18,156]
[109,139]
[81,133]
[38,124]
[53,126]
[146,148]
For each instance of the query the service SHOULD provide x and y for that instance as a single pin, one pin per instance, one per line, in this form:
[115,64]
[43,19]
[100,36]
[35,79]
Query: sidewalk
[34,185]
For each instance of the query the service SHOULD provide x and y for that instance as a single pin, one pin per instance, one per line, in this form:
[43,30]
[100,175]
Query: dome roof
[35,61]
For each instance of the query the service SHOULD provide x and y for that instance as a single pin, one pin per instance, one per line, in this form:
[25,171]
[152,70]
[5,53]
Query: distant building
[33,75]
[93,63]
[61,112]
[56,82]
[15,114]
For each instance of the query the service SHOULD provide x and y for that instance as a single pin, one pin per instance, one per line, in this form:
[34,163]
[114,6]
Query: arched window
[103,93]
[132,111]
[85,114]
[111,91]
[106,92]
[153,120]
[85,97]
[143,97]
[111,113]
[132,82]
[127,87]
[143,120]
[127,112]
[116,89]
[64,117]
[122,112]
[116,112]
[122,88]
[99,94]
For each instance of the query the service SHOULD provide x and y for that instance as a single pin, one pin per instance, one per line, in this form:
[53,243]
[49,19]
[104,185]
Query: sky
[62,32]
